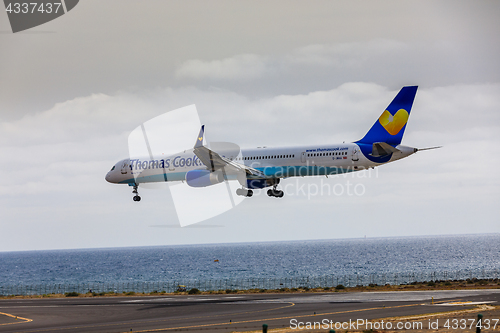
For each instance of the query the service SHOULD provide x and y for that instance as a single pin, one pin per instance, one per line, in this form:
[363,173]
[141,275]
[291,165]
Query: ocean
[315,258]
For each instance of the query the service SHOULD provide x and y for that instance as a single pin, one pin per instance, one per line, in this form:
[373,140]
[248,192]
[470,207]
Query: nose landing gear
[136,196]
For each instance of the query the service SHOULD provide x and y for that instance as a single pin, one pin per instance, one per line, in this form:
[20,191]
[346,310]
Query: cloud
[252,66]
[239,67]
[385,61]
[345,54]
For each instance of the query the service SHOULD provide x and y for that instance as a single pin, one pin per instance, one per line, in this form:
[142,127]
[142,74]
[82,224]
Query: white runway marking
[147,300]
[396,296]
[466,303]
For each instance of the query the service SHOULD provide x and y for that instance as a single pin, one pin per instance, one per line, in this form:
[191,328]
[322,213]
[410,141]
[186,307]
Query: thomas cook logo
[28,14]
[393,123]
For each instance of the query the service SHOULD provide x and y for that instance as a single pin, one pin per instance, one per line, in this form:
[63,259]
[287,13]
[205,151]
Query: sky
[273,73]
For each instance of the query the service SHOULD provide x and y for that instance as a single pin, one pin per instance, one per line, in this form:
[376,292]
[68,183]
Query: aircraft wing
[213,161]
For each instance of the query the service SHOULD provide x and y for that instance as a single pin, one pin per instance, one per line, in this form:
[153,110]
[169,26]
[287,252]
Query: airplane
[264,167]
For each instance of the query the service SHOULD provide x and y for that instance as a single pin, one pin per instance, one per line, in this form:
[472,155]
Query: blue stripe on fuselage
[270,172]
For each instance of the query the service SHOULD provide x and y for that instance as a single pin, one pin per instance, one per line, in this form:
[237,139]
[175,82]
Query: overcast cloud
[266,73]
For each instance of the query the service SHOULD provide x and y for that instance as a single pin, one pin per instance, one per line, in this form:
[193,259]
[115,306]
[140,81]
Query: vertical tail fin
[199,140]
[391,125]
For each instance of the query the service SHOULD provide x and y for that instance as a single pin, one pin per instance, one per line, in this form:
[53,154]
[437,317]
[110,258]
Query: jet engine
[203,178]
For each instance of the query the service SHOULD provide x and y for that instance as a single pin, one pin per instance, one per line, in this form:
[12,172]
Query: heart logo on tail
[393,124]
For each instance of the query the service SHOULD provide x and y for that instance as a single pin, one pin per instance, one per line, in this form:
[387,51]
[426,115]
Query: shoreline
[468,284]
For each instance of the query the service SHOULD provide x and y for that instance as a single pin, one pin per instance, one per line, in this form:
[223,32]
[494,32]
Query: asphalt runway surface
[222,312]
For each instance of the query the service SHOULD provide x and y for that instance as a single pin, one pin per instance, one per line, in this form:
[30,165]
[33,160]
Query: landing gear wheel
[244,193]
[136,196]
[275,193]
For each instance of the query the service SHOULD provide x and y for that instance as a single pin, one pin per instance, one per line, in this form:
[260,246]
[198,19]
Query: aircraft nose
[108,177]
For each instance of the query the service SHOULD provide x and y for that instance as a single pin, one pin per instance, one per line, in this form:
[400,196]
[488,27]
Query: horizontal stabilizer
[382,149]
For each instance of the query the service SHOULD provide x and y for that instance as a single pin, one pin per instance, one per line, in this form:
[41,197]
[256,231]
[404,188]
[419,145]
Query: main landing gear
[136,196]
[274,192]
[244,193]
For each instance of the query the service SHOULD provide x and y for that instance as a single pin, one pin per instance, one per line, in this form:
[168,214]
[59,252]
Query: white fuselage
[280,162]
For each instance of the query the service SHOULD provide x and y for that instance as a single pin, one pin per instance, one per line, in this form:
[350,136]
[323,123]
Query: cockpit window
[113,168]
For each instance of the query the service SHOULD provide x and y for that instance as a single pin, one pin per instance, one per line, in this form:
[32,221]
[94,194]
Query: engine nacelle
[203,178]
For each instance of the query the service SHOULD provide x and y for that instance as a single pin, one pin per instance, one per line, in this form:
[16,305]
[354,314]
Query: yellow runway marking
[451,300]
[271,319]
[25,320]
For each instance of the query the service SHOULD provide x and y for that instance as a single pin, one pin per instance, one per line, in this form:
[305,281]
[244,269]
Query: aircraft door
[124,167]
[355,154]
[303,157]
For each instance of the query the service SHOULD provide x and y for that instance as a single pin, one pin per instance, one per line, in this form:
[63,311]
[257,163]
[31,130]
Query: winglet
[199,140]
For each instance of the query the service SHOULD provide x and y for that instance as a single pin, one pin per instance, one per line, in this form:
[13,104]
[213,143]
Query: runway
[222,312]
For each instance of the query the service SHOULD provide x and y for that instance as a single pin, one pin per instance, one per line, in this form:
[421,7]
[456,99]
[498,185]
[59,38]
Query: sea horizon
[254,242]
